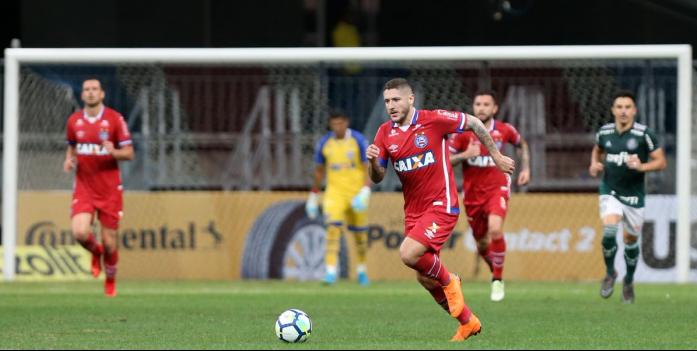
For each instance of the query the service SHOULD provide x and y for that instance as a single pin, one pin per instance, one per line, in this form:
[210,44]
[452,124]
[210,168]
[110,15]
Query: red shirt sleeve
[123,136]
[449,122]
[70,136]
[380,143]
[459,142]
[513,137]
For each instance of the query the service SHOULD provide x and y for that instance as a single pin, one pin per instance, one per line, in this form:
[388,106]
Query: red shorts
[109,207]
[478,215]
[432,229]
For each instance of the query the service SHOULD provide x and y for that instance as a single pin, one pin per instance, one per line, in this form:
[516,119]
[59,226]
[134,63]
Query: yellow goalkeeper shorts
[338,211]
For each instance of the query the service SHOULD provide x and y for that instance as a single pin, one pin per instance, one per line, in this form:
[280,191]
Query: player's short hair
[489,92]
[101,86]
[337,113]
[623,94]
[397,83]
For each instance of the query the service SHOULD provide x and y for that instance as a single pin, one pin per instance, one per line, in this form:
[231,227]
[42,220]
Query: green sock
[631,257]
[610,247]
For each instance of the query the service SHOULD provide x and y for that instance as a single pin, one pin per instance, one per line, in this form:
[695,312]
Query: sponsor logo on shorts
[632,200]
[431,231]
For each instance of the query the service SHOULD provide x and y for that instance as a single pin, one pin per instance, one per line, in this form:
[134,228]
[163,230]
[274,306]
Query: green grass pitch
[385,315]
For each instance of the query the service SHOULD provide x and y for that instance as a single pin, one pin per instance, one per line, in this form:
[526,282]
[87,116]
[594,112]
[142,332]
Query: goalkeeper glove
[361,200]
[312,205]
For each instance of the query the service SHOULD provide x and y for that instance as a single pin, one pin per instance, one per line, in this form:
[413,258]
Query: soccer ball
[293,325]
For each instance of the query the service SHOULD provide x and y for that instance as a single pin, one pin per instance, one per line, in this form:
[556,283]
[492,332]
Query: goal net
[226,137]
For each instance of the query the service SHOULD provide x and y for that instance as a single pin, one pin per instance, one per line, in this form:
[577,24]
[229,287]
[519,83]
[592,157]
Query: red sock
[464,317]
[439,295]
[111,259]
[430,265]
[498,254]
[486,255]
[91,245]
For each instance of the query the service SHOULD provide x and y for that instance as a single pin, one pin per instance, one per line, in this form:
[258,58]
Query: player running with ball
[416,141]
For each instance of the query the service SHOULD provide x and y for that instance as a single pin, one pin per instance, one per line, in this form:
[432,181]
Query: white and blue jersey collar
[414,118]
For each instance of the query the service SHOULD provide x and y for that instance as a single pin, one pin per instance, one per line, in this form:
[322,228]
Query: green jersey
[626,184]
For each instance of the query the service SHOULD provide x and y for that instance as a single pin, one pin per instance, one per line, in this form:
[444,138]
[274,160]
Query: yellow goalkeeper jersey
[343,161]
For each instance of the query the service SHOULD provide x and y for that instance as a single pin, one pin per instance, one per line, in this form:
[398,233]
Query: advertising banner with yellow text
[263,235]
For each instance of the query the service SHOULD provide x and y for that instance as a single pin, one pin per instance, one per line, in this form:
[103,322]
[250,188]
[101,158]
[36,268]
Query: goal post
[15,58]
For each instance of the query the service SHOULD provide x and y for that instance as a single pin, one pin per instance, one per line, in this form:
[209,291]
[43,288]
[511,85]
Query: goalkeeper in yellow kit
[340,155]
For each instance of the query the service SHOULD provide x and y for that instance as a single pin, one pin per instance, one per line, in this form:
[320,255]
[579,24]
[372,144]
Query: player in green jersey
[624,151]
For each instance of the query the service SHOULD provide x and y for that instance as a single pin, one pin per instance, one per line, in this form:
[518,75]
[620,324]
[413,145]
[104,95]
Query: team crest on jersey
[350,155]
[411,163]
[632,144]
[608,144]
[421,141]
[104,133]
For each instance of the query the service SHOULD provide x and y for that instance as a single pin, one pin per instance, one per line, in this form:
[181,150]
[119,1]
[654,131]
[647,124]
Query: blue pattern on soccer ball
[293,326]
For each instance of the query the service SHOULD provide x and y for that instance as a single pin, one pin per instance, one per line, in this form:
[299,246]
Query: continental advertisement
[266,235]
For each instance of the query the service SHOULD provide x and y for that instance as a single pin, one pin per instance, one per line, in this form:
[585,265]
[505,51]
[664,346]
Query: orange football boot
[473,327]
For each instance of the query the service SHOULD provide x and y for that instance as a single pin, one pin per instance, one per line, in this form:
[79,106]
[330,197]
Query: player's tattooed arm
[480,131]
[504,163]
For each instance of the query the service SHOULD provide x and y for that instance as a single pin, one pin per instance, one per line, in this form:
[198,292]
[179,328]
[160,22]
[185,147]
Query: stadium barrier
[261,235]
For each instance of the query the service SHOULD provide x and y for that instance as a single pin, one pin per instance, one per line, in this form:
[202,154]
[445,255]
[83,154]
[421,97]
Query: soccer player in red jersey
[486,189]
[417,143]
[97,138]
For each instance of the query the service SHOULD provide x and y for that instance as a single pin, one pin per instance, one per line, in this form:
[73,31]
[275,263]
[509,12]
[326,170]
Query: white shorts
[632,217]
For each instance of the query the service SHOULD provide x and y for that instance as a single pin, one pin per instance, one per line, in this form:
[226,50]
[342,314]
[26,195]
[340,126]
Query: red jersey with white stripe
[420,157]
[481,176]
[97,170]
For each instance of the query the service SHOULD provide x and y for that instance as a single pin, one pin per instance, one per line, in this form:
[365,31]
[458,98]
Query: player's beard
[485,119]
[93,104]
[624,120]
[402,117]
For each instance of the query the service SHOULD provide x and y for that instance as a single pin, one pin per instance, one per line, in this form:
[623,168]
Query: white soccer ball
[293,326]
